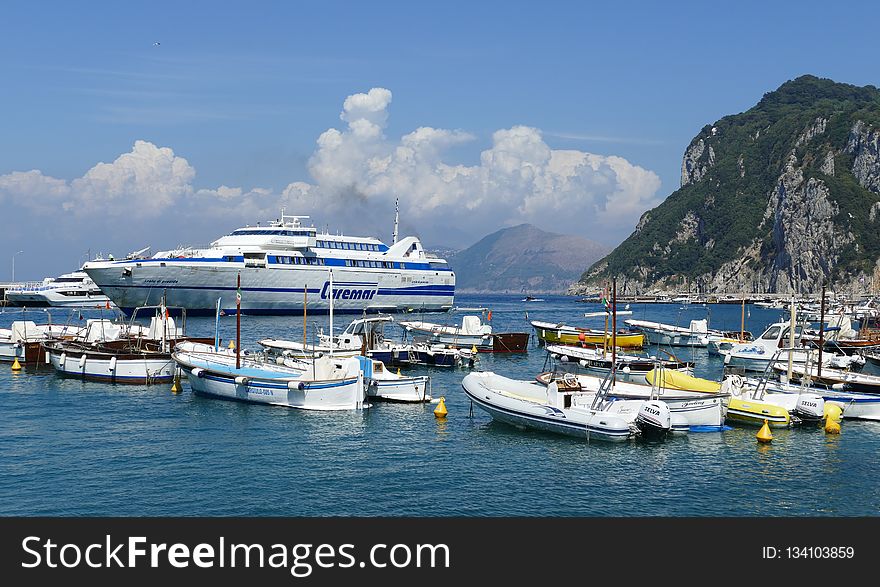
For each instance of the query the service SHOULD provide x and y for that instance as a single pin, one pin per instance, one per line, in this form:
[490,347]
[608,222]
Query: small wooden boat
[316,385]
[548,332]
[117,353]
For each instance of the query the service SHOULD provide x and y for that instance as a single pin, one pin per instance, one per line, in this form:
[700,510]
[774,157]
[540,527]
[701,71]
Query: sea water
[72,448]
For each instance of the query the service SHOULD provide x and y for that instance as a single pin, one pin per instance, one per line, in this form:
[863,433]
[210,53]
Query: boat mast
[396,219]
[821,332]
[217,327]
[791,329]
[305,306]
[742,321]
[613,330]
[238,324]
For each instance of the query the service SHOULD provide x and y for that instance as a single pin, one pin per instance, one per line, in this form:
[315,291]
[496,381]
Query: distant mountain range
[523,258]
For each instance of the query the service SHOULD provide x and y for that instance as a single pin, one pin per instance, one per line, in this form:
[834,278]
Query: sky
[127,125]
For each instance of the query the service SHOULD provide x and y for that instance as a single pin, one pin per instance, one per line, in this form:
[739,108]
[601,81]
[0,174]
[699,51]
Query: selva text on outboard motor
[810,408]
[654,419]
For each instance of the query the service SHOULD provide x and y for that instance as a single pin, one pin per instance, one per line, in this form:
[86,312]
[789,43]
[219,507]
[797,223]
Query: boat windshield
[772,333]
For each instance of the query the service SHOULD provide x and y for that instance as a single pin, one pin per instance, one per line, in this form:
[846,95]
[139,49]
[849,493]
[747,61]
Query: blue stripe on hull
[129,380]
[287,311]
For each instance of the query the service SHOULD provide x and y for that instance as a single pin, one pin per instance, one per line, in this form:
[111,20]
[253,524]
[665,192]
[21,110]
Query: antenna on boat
[396,220]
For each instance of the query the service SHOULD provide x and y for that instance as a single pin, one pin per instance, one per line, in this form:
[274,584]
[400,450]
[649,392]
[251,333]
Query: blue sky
[572,116]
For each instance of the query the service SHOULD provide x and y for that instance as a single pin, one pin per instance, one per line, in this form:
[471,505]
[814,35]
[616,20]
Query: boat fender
[679,422]
[301,386]
[582,363]
[198,372]
[241,380]
[563,359]
[63,359]
[838,386]
[82,361]
[112,363]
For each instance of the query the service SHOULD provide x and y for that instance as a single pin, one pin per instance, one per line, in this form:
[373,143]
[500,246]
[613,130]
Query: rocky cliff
[523,259]
[780,198]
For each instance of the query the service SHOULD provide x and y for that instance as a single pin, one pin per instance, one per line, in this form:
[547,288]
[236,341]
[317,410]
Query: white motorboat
[279,264]
[368,335]
[584,415]
[694,407]
[697,334]
[471,333]
[71,290]
[318,384]
[385,385]
[22,339]
[755,355]
[598,362]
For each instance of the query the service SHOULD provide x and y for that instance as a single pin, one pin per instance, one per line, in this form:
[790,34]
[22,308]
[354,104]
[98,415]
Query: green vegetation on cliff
[739,178]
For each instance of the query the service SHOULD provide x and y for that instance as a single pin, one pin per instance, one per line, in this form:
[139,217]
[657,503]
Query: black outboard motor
[654,419]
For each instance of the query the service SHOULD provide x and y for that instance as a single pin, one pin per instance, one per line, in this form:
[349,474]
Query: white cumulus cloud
[520,178]
[148,194]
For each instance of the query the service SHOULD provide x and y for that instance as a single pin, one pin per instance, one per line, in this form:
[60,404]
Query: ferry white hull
[196,285]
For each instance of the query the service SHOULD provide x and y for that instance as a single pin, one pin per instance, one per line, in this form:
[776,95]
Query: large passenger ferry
[284,267]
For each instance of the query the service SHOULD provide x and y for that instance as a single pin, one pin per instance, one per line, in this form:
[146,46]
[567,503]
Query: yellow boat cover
[678,380]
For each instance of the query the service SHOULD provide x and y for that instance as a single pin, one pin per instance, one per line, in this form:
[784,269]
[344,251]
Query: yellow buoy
[833,412]
[175,385]
[474,349]
[16,366]
[231,344]
[440,410]
[832,426]
[764,434]
[398,371]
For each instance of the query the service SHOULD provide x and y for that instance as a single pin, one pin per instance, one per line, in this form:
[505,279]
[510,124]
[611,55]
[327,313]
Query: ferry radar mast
[291,221]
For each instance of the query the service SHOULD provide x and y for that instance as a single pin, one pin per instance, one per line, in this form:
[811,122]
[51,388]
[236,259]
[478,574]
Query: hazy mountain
[523,258]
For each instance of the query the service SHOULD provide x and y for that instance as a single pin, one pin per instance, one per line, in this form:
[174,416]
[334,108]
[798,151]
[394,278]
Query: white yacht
[71,290]
[284,266]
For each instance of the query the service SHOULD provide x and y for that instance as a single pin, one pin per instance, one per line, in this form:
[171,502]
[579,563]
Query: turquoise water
[77,448]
